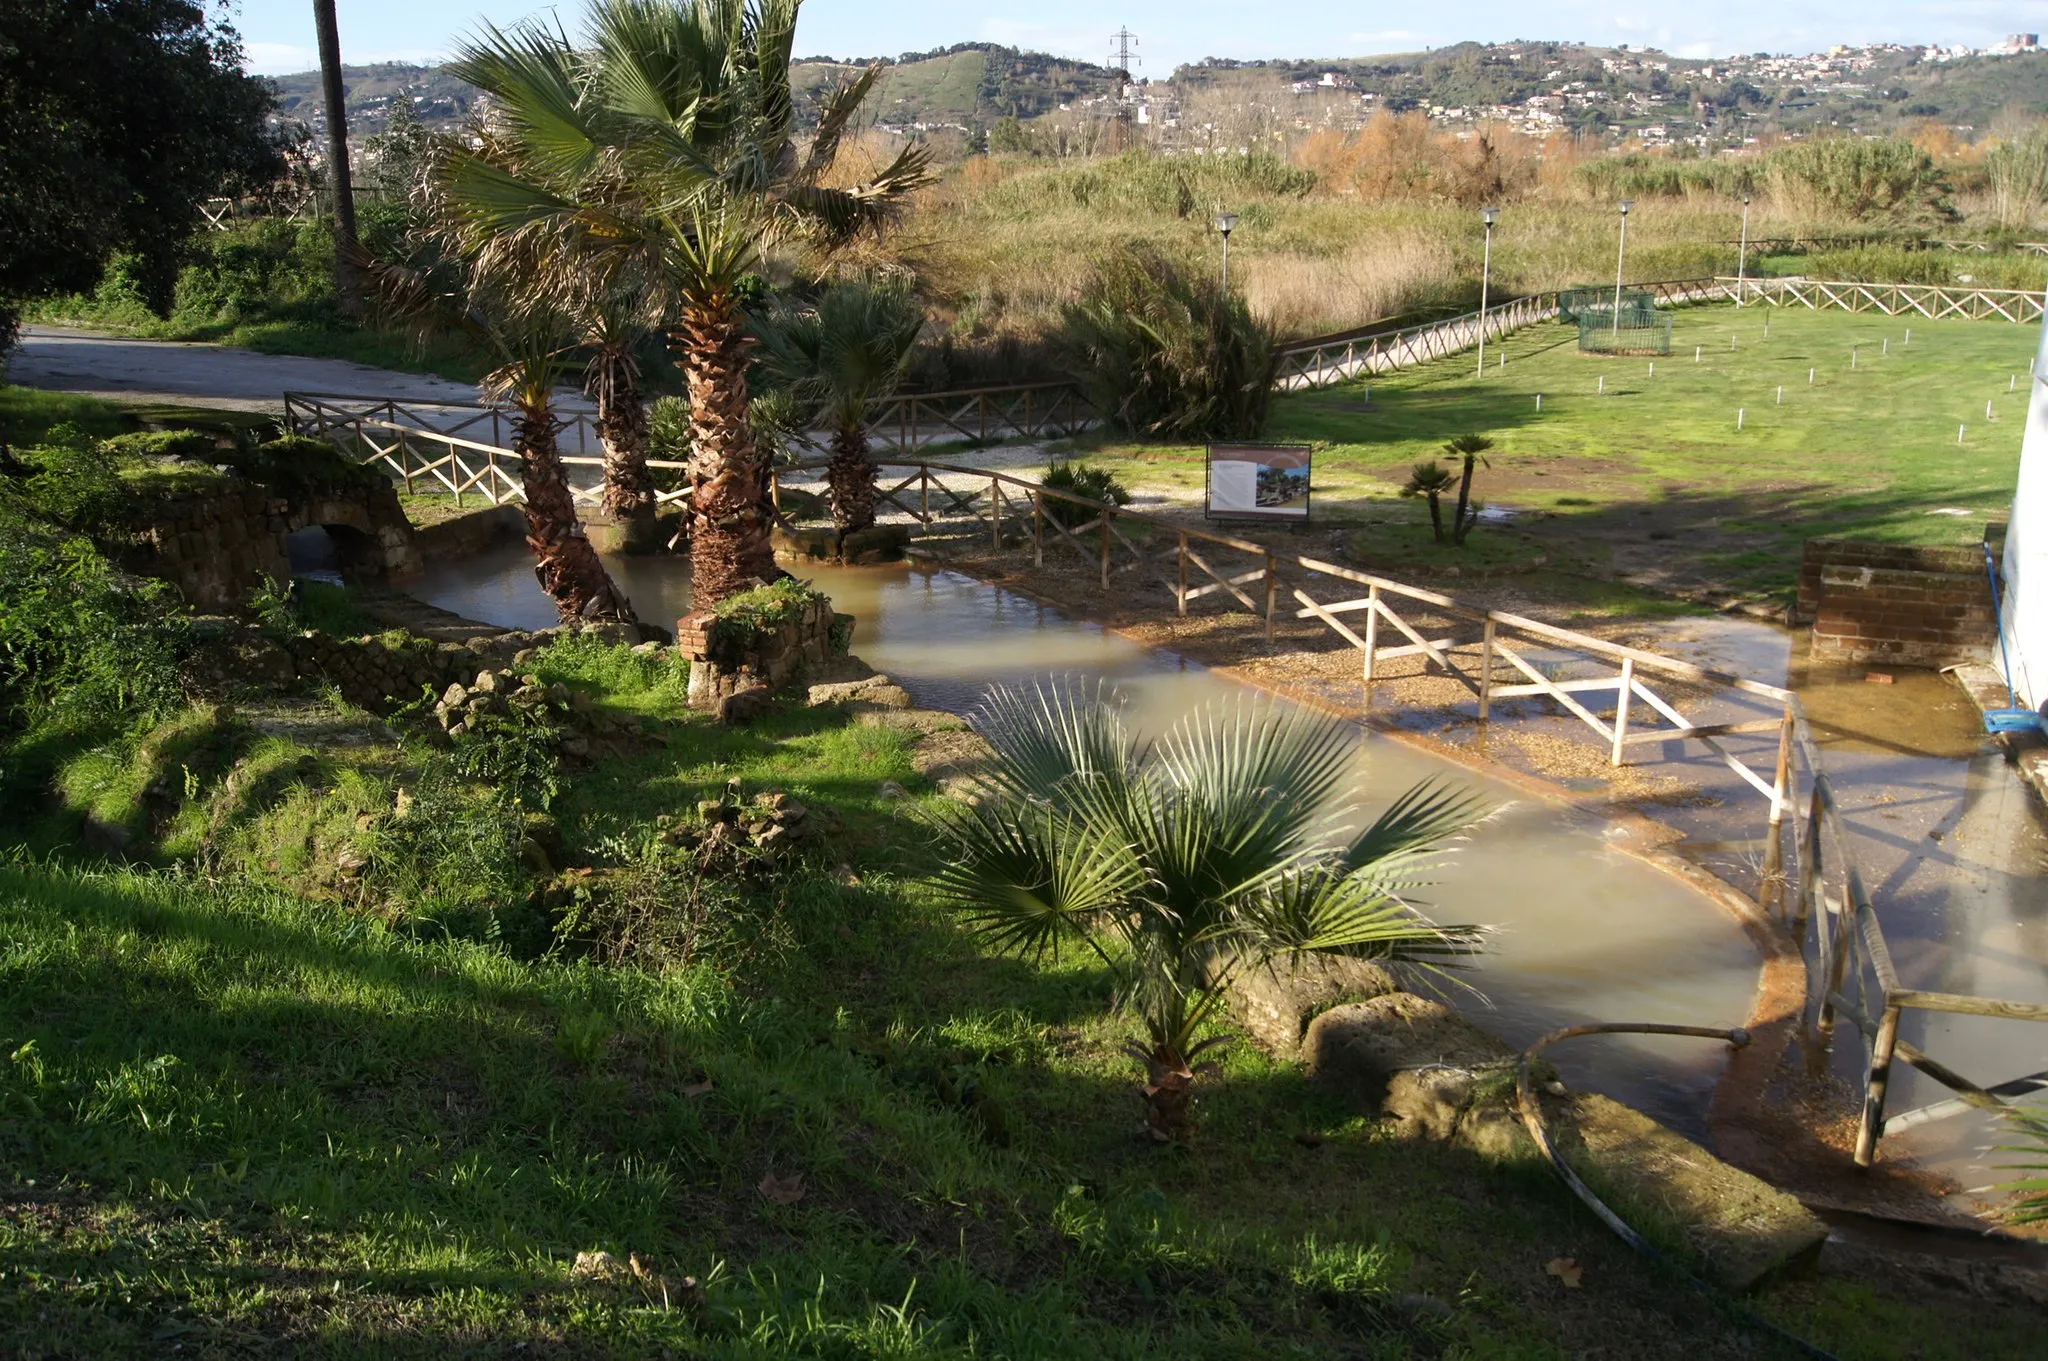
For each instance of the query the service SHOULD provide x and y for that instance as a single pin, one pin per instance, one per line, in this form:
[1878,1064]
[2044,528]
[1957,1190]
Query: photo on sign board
[1258,481]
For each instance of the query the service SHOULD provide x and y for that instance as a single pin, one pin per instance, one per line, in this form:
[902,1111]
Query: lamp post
[1489,216]
[1225,223]
[1620,262]
[1742,255]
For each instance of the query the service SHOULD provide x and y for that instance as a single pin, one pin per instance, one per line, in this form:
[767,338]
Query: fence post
[1372,636]
[924,495]
[1105,548]
[1881,1049]
[1037,528]
[995,514]
[1272,592]
[1180,590]
[1623,693]
[981,411]
[1486,669]
[1771,893]
[405,459]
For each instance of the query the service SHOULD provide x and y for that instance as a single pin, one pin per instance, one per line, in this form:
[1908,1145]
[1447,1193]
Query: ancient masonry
[218,545]
[727,659]
[1873,602]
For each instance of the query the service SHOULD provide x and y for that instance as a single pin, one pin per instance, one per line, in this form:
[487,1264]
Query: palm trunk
[729,545]
[1436,516]
[622,425]
[564,561]
[851,476]
[1169,1095]
[1459,524]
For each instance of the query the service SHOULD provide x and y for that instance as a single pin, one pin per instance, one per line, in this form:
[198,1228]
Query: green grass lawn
[1655,462]
[239,1120]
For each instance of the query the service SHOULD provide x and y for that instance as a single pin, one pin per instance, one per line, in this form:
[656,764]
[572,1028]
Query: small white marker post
[1739,413]
[1696,353]
[1809,377]
[1539,401]
[1781,394]
[1603,384]
[1653,368]
[1731,342]
[1852,356]
[1987,412]
[1959,433]
[1886,348]
[1503,359]
[1909,337]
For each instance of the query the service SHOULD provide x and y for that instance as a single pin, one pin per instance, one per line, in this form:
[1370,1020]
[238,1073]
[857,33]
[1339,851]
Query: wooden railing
[1933,301]
[1628,697]
[320,414]
[423,458]
[1337,358]
[907,421]
[1809,876]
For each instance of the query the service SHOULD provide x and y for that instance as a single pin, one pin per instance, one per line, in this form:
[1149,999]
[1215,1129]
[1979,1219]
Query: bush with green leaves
[1081,479]
[1181,863]
[79,639]
[1164,352]
[1866,179]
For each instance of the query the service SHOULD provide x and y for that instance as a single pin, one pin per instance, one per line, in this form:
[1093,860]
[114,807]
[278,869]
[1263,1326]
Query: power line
[1121,56]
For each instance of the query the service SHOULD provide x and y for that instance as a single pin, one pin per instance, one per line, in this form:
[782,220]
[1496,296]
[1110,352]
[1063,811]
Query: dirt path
[192,374]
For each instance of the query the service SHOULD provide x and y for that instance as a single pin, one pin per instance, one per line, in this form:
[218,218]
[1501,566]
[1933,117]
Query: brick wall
[1873,602]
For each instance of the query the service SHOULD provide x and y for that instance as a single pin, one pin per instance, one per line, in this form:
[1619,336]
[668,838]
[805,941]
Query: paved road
[204,375]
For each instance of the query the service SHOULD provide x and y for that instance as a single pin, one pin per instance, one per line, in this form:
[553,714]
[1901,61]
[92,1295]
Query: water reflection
[1586,932]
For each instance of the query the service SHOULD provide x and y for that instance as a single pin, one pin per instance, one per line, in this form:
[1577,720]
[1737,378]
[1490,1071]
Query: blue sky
[279,33]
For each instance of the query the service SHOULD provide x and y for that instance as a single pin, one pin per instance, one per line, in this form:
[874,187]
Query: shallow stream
[1585,931]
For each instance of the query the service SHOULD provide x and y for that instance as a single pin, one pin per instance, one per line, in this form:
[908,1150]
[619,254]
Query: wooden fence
[1334,359]
[394,437]
[1810,880]
[1932,301]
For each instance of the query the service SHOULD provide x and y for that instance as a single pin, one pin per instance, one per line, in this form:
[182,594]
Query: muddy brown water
[1952,850]
[1585,931]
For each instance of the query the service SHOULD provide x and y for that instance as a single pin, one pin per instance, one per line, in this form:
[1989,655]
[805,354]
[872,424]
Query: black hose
[1532,1118]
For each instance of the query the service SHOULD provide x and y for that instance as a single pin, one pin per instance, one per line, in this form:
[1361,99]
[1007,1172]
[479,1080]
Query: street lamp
[1489,216]
[1225,223]
[1620,262]
[1742,258]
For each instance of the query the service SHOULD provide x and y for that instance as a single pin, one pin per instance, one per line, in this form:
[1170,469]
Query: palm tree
[615,294]
[532,345]
[1183,862]
[685,110]
[841,355]
[1470,448]
[1430,480]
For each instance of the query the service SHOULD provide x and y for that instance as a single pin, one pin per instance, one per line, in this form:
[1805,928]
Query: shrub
[1164,352]
[1864,179]
[77,638]
[763,610]
[1081,479]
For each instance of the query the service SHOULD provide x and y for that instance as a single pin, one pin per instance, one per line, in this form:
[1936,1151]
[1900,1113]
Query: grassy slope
[248,1122]
[1867,453]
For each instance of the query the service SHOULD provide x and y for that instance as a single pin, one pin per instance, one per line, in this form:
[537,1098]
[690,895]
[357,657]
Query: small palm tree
[1184,862]
[1430,480]
[840,356]
[2030,1193]
[1471,449]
